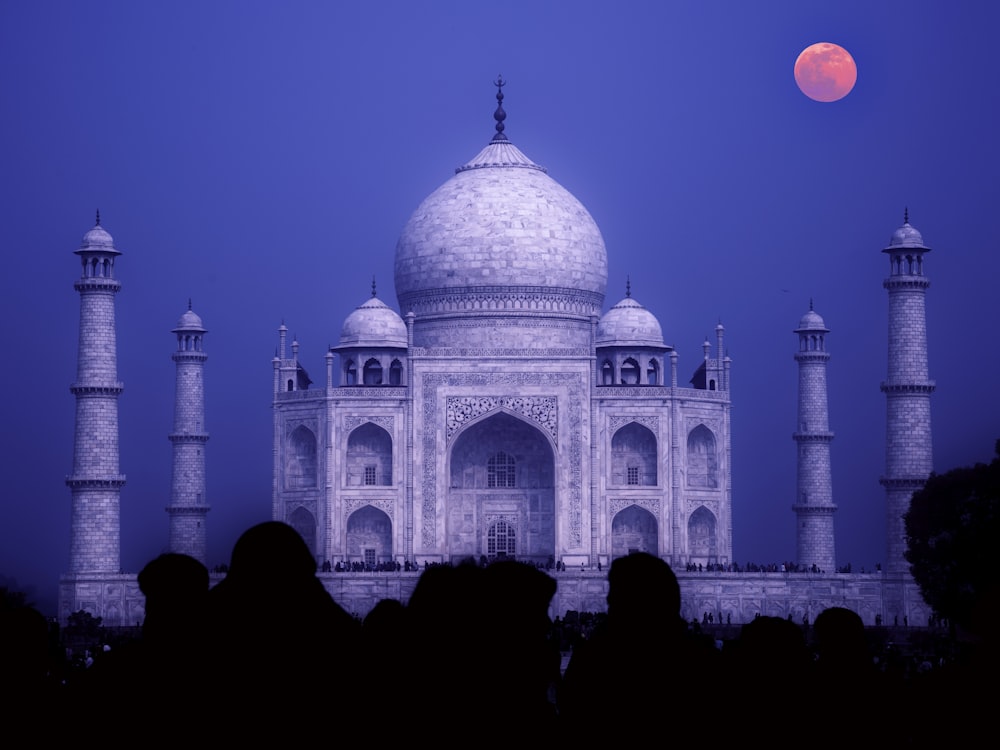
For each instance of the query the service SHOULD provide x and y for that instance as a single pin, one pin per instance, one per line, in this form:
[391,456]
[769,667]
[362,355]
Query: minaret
[814,507]
[188,507]
[95,484]
[908,455]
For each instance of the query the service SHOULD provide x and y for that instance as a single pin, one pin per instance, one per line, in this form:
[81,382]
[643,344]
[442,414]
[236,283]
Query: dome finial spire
[499,115]
[98,217]
[189,304]
[810,304]
[373,285]
[906,215]
[628,286]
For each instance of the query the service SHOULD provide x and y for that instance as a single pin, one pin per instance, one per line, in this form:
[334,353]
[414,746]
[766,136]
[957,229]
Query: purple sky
[262,158]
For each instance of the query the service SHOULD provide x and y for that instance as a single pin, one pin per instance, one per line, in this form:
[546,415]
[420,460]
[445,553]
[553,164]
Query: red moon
[825,72]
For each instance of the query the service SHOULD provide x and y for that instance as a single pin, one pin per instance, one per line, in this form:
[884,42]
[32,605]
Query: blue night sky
[262,158]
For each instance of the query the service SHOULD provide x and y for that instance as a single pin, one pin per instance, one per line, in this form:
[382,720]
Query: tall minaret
[908,456]
[188,506]
[95,484]
[814,507]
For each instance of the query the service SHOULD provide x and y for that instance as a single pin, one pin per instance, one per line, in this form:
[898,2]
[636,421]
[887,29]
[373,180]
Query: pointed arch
[702,458]
[369,456]
[300,459]
[607,373]
[501,469]
[396,372]
[630,372]
[373,372]
[634,529]
[702,533]
[369,535]
[633,456]
[653,373]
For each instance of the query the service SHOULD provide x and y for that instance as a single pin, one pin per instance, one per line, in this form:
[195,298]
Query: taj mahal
[502,408]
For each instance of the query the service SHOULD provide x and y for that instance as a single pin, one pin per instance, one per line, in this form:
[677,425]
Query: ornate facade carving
[542,410]
[352,504]
[576,386]
[617,422]
[618,504]
[352,423]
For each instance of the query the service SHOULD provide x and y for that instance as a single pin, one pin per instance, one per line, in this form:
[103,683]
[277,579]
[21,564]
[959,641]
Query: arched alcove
[502,482]
[300,459]
[634,529]
[633,456]
[369,535]
[702,458]
[369,457]
[702,535]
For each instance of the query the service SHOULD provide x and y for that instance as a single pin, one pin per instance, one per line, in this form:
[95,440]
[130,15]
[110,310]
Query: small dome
[906,237]
[629,324]
[189,321]
[373,324]
[811,321]
[97,240]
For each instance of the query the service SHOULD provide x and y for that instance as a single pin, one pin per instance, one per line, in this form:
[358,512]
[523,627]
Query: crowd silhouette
[268,655]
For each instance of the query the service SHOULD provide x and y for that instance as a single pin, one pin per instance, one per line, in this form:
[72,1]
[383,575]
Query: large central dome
[501,239]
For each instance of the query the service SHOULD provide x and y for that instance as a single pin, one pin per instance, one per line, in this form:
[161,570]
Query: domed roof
[373,324]
[906,237]
[189,321]
[98,240]
[499,222]
[501,238]
[629,324]
[811,321]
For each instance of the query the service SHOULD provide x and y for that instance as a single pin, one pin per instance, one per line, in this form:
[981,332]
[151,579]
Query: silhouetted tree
[952,531]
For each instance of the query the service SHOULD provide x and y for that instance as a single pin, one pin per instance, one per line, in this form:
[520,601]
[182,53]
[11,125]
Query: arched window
[396,373]
[630,372]
[351,373]
[500,541]
[653,373]
[373,372]
[607,373]
[500,471]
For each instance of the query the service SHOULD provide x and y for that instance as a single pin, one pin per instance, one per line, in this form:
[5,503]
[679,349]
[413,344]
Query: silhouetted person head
[175,587]
[278,637]
[271,551]
[641,585]
[840,639]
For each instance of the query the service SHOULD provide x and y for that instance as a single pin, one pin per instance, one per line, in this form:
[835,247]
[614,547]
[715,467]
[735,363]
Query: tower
[907,389]
[814,507]
[188,507]
[95,484]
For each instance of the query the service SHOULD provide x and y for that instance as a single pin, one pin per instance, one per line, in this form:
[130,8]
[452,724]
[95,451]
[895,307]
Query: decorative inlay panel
[386,423]
[618,504]
[352,504]
[511,519]
[309,423]
[539,409]
[653,423]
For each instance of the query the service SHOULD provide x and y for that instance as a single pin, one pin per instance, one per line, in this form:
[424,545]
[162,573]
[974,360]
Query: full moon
[825,72]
